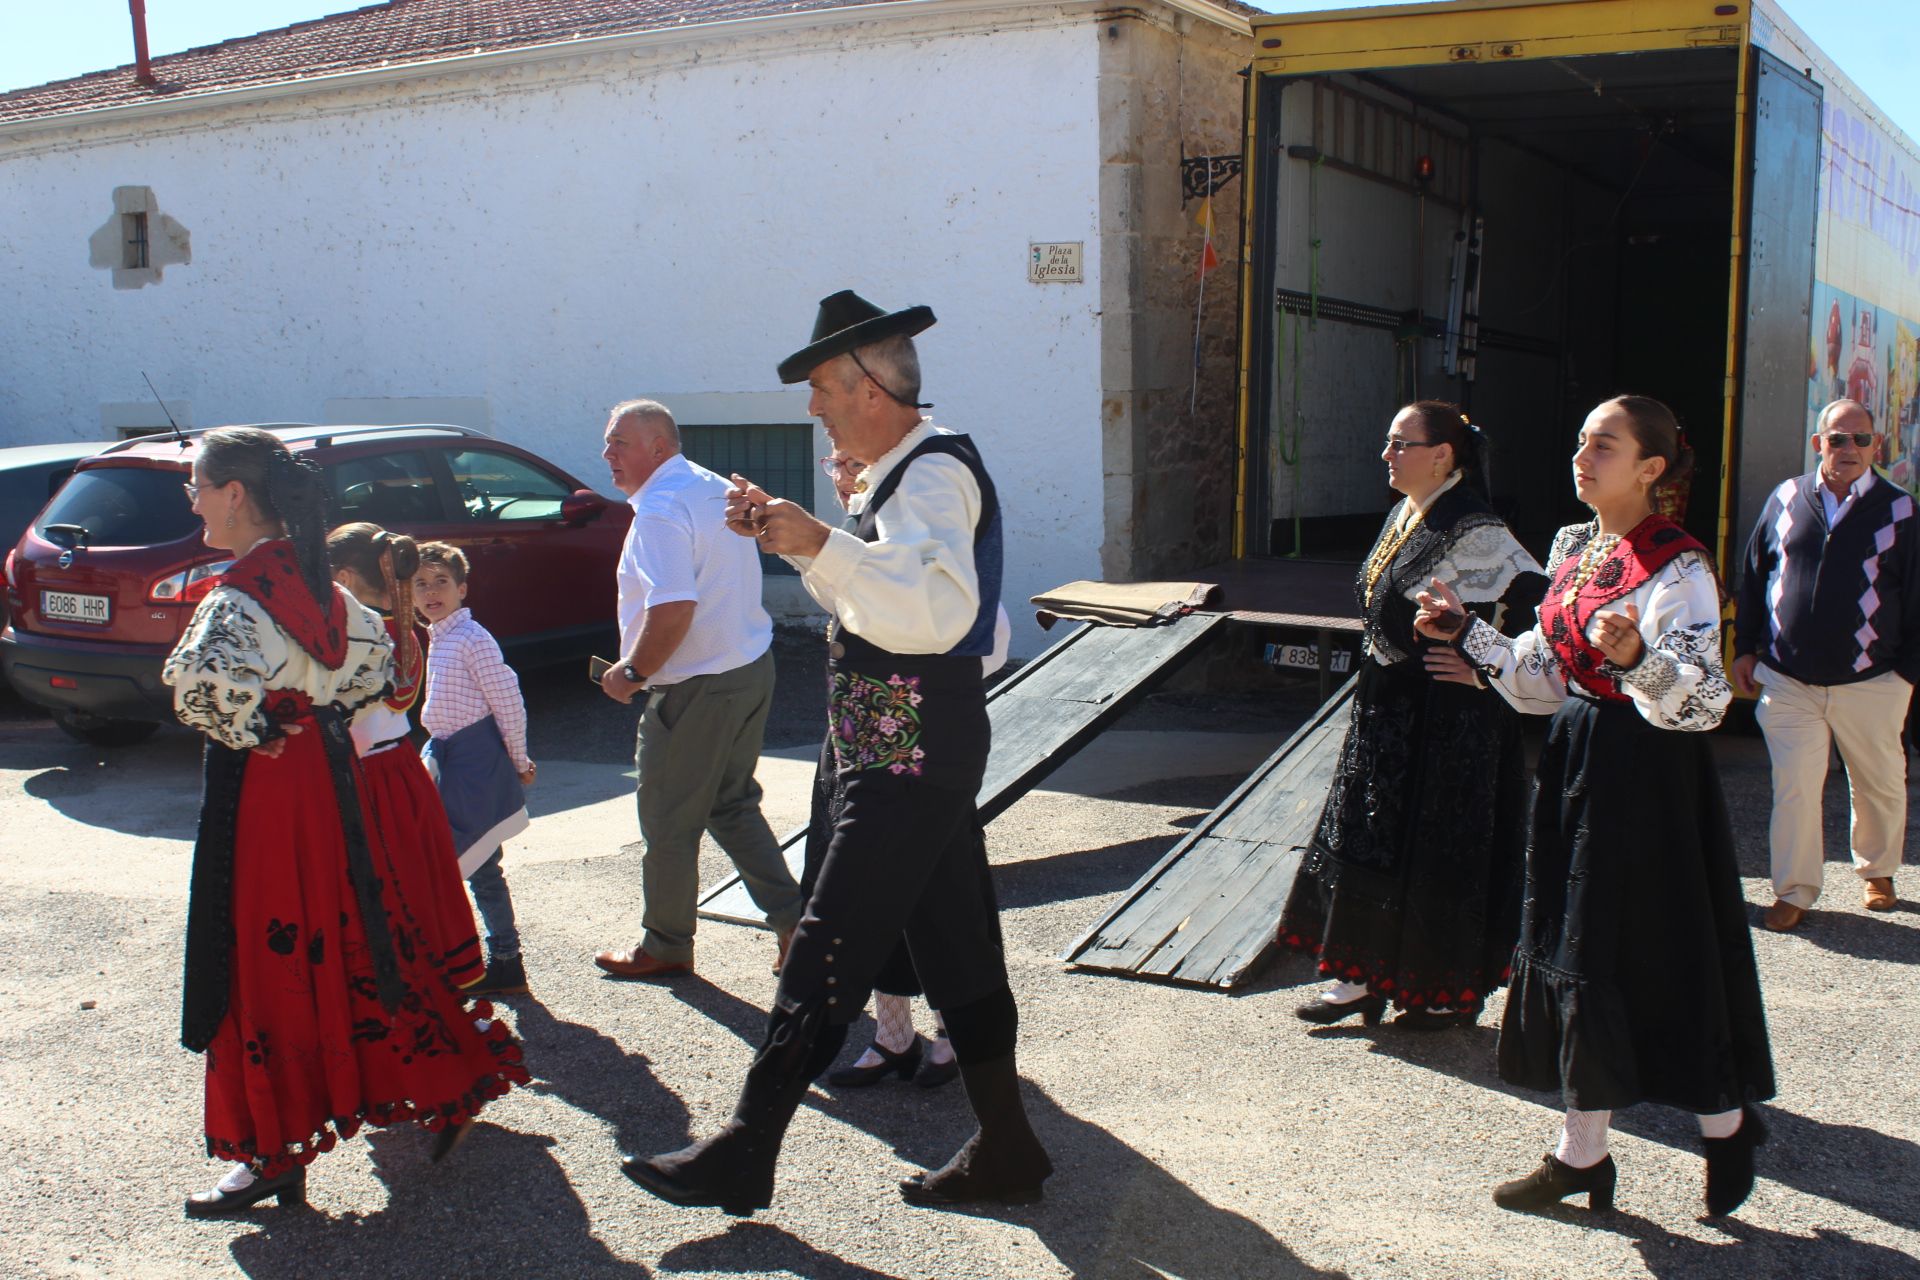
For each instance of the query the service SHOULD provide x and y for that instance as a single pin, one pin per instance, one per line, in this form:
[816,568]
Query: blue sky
[1876,41]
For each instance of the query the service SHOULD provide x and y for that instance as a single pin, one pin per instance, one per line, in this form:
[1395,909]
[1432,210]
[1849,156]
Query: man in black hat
[913,582]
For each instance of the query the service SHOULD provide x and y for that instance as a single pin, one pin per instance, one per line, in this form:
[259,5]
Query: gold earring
[229,517]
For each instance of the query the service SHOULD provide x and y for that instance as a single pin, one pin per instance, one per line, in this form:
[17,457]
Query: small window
[499,486]
[392,490]
[123,506]
[777,457]
[136,251]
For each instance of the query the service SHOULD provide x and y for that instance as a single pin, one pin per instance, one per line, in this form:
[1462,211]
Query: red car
[105,578]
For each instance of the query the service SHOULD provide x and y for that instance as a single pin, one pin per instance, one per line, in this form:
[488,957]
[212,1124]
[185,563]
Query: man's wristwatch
[626,669]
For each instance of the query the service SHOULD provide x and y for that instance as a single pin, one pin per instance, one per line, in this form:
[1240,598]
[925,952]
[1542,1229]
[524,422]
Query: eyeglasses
[1396,445]
[833,467]
[193,492]
[1841,439]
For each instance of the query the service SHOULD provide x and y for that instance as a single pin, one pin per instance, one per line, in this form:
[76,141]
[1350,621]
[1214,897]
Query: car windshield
[123,506]
[23,491]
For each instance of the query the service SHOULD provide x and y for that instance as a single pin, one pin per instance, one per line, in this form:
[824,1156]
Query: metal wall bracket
[1201,176]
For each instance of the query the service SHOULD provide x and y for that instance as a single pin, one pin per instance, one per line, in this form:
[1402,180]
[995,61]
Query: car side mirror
[581,506]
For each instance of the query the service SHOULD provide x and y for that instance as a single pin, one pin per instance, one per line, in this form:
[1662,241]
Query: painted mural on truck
[1865,340]
[1864,353]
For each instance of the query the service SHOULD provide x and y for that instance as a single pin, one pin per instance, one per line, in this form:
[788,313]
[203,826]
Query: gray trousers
[699,743]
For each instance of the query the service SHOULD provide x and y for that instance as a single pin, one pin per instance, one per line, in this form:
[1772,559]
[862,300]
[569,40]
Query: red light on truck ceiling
[63,682]
[1423,168]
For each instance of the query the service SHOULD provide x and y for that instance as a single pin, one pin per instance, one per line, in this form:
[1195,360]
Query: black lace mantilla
[1389,615]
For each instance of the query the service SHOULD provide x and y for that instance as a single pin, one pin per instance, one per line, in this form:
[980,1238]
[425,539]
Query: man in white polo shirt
[695,641]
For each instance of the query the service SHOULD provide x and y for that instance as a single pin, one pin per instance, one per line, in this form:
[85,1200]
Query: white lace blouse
[1679,682]
[233,654]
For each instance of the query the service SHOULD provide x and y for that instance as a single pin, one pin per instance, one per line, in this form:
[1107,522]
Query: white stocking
[1344,992]
[1583,1139]
[1723,1125]
[238,1179]
[893,1018]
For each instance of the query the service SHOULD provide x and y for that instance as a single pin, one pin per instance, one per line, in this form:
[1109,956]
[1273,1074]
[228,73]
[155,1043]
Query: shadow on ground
[503,1201]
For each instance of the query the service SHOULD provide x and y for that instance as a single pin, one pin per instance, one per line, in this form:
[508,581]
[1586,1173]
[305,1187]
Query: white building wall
[555,238]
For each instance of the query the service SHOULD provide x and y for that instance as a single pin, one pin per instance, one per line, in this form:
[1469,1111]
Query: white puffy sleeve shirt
[1677,684]
[233,654]
[915,589]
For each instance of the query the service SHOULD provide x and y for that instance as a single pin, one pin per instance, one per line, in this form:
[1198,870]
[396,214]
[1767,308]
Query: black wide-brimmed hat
[847,321]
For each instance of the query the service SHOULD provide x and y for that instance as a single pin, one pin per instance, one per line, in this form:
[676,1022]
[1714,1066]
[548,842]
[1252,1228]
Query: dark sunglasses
[1840,439]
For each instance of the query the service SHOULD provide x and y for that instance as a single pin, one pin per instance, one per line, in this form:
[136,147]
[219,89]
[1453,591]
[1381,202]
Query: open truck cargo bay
[1529,207]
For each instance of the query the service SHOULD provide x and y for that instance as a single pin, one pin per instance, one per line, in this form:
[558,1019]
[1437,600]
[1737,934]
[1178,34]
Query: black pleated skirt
[1634,980]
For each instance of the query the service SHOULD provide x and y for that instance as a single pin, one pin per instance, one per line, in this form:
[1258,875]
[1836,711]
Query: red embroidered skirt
[407,826]
[306,1053]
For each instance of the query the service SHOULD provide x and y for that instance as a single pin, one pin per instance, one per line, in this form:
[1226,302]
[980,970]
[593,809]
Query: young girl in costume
[316,1010]
[377,568]
[1634,980]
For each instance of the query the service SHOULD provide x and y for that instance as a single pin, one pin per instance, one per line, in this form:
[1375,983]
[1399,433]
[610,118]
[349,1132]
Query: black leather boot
[1003,1161]
[733,1169]
[1730,1163]
[1553,1182]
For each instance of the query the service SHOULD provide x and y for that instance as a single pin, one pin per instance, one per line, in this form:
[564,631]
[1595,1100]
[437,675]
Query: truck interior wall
[1347,378]
[1545,280]
[1605,270]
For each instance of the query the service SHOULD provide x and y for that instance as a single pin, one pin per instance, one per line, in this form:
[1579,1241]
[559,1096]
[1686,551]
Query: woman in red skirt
[317,1007]
[403,805]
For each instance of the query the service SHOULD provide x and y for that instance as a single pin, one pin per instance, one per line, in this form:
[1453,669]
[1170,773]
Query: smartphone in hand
[596,668]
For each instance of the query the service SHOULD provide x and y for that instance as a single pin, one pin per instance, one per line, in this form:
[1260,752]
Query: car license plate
[1306,657]
[68,606]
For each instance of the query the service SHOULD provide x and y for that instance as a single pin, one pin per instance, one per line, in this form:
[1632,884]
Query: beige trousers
[1802,722]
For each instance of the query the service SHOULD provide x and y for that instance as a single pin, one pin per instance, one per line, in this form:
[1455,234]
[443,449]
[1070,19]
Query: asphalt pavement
[1195,1134]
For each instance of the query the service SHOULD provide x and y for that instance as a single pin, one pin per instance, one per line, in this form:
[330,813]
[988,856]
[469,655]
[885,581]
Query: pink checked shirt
[467,681]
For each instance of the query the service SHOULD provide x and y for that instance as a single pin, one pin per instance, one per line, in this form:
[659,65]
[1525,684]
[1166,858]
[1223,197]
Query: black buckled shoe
[1730,1163]
[903,1064]
[1554,1181]
[1325,1012]
[290,1189]
[932,1074]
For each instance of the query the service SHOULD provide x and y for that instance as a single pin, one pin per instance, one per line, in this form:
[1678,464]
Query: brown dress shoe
[1783,915]
[638,964]
[1879,894]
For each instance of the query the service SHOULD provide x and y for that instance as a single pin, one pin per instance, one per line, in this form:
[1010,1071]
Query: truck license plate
[66,606]
[1306,657]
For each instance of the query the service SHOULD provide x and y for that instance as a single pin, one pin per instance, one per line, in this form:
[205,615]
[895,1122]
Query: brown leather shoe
[638,964]
[1783,915]
[781,942]
[1879,894]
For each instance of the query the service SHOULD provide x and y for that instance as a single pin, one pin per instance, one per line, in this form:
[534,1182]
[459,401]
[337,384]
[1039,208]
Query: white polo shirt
[680,548]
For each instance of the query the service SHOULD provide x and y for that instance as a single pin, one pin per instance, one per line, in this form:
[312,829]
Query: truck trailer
[1528,207]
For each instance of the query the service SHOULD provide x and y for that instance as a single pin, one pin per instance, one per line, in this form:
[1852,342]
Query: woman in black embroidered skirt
[1634,980]
[1409,893]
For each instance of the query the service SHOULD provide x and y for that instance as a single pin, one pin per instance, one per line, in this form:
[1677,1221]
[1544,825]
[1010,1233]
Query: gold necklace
[1592,556]
[1383,554]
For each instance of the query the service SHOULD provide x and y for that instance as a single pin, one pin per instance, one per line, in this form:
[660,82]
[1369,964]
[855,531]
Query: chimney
[142,67]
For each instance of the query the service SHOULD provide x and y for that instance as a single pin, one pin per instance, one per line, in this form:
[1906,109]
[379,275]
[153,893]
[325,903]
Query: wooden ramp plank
[1205,913]
[1042,715]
